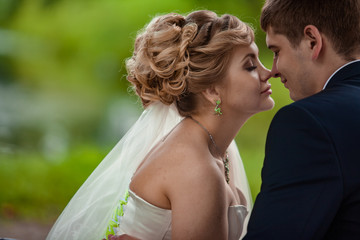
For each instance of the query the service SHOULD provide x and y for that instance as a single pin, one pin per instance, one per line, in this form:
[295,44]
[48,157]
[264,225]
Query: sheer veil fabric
[88,213]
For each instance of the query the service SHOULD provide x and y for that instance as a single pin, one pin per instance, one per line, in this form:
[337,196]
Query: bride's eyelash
[252,68]
[250,65]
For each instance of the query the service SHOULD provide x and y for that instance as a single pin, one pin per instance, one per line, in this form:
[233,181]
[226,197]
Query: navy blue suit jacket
[311,174]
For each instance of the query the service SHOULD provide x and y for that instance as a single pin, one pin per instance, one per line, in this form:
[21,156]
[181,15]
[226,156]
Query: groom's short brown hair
[338,20]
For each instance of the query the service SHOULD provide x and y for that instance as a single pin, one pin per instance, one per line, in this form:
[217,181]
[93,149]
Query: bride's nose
[265,73]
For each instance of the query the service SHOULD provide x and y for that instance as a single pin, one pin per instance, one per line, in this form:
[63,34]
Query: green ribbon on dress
[114,223]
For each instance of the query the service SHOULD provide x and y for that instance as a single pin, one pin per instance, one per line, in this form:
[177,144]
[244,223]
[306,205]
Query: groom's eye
[276,54]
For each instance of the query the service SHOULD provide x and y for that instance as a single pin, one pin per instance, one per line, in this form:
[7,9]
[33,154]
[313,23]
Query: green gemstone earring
[217,108]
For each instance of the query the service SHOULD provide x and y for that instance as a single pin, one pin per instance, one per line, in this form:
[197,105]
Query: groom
[311,174]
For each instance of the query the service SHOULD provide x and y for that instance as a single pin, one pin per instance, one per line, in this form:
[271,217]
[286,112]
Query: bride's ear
[211,94]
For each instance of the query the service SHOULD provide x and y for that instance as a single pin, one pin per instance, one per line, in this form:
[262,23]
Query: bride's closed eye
[250,66]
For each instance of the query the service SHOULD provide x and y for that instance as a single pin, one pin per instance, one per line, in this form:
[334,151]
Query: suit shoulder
[318,107]
[296,120]
[293,112]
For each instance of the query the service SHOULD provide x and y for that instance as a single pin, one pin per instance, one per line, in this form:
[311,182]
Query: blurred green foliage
[64,100]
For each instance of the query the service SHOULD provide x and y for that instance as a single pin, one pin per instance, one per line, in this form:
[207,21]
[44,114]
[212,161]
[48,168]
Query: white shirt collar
[358,60]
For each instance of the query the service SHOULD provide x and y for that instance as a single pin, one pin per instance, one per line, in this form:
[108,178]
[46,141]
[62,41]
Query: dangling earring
[217,109]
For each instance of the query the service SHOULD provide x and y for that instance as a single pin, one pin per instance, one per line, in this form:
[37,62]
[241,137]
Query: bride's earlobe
[211,95]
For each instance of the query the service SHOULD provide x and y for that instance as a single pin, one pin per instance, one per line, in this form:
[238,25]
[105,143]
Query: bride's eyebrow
[249,55]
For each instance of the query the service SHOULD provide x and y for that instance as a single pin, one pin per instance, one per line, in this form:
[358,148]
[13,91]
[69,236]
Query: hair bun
[159,66]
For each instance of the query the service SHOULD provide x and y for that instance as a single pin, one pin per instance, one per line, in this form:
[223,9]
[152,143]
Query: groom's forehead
[271,38]
[275,39]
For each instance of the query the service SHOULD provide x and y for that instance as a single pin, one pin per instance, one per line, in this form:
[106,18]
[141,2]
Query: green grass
[33,188]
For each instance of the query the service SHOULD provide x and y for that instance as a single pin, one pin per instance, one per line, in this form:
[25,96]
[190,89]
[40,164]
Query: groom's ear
[314,40]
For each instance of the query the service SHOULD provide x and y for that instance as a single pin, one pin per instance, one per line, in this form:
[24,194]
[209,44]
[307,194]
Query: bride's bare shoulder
[189,161]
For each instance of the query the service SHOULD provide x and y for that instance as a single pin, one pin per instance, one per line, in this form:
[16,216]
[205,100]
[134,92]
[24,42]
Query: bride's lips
[267,89]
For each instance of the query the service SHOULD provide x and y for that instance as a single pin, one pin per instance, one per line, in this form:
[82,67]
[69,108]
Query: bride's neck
[222,130]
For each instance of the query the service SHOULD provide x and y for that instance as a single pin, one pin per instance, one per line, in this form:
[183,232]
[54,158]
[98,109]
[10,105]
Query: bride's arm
[196,190]
[198,200]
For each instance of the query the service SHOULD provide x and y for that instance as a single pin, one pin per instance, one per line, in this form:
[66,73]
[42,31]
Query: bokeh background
[65,101]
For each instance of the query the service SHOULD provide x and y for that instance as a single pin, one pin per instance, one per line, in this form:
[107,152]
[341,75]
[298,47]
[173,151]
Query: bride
[177,172]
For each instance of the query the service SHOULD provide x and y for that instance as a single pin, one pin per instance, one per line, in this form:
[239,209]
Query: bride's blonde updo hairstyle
[177,57]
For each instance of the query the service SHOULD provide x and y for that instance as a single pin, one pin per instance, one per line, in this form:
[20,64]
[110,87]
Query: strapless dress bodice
[146,221]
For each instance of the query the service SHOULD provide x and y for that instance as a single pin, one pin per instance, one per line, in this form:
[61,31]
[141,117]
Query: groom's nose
[274,71]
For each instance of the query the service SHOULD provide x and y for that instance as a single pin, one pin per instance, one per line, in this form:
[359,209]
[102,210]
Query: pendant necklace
[224,160]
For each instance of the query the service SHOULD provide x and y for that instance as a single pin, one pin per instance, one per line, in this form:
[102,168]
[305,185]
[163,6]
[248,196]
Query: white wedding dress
[89,212]
[146,221]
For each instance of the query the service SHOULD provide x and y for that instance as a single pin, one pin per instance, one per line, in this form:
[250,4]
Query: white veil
[240,180]
[89,211]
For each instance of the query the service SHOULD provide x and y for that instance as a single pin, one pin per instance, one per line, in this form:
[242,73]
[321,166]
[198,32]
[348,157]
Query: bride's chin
[270,103]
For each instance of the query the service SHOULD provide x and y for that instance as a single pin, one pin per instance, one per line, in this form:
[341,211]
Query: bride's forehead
[241,53]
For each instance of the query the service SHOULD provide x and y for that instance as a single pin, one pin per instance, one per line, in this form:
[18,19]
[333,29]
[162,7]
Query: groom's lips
[284,81]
